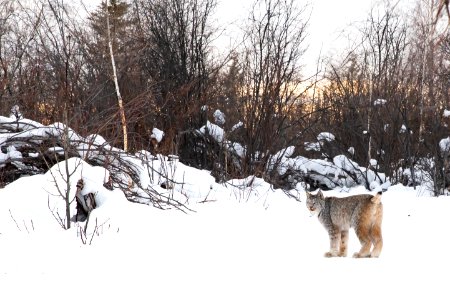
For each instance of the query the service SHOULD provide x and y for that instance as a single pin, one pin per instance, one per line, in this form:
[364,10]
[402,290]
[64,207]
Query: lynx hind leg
[344,243]
[375,234]
[363,234]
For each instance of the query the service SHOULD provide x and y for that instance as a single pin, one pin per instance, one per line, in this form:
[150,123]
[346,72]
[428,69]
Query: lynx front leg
[335,239]
[344,243]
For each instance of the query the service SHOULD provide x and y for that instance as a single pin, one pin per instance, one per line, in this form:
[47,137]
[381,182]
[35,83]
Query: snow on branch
[29,148]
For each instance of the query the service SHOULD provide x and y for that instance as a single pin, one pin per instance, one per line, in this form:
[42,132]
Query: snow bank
[245,240]
[249,242]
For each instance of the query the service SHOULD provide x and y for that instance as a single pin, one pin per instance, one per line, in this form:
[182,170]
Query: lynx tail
[377,198]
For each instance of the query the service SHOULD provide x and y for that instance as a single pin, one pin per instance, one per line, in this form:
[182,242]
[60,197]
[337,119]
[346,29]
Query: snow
[247,242]
[403,129]
[325,136]
[281,160]
[312,146]
[446,113]
[345,163]
[444,144]
[13,153]
[219,117]
[242,239]
[423,174]
[215,131]
[351,150]
[379,102]
[237,125]
[57,150]
[321,137]
[238,149]
[15,113]
[33,154]
[22,124]
[157,134]
[96,140]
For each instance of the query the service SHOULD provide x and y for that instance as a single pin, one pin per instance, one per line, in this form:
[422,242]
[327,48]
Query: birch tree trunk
[369,120]
[123,119]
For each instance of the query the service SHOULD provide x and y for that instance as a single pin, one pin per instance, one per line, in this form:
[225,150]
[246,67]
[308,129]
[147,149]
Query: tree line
[389,94]
[384,97]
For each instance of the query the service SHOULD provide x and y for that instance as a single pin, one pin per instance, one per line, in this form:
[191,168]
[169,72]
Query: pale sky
[328,19]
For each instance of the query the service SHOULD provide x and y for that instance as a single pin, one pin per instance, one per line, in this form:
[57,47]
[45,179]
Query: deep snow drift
[243,240]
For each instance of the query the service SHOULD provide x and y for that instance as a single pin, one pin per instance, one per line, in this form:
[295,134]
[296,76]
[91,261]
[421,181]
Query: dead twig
[10,213]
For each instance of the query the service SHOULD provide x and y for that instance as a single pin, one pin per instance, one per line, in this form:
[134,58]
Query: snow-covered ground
[248,242]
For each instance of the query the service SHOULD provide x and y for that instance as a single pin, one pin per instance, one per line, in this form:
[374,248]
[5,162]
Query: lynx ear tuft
[319,194]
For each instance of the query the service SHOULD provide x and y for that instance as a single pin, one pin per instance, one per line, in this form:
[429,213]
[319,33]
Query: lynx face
[315,203]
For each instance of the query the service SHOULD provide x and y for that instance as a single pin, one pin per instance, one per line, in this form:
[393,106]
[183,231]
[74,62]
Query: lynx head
[315,202]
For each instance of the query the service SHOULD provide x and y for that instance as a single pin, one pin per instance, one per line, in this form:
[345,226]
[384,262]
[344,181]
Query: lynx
[362,212]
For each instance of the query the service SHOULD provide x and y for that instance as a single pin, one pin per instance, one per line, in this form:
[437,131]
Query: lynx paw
[358,255]
[330,254]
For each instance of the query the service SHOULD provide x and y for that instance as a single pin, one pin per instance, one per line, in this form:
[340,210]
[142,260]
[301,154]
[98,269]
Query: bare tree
[442,6]
[270,90]
[393,77]
[368,93]
[177,35]
[116,83]
[6,12]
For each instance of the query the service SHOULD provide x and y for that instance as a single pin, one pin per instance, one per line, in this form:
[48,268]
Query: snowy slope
[248,242]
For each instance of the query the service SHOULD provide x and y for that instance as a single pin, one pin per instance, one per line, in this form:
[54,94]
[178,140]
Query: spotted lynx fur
[364,213]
